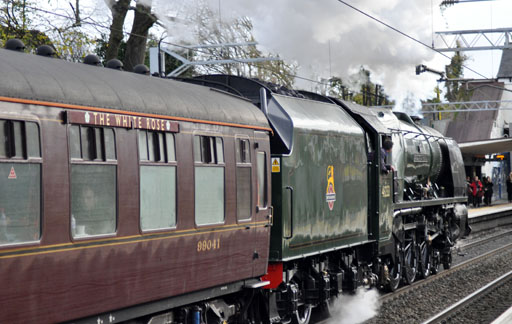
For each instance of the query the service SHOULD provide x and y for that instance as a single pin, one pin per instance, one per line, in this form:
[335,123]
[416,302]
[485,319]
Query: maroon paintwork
[62,279]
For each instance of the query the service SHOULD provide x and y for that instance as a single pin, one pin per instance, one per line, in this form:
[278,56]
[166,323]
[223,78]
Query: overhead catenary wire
[255,64]
[405,35]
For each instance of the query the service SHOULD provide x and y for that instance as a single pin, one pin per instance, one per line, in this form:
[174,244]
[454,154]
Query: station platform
[498,206]
[489,217]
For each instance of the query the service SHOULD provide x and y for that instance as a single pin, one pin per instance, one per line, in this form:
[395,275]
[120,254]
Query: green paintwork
[380,206]
[385,197]
[323,135]
[416,157]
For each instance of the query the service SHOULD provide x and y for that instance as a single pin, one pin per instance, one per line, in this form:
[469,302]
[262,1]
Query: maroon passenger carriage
[123,195]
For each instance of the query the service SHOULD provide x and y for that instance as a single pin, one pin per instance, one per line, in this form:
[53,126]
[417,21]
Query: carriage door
[262,202]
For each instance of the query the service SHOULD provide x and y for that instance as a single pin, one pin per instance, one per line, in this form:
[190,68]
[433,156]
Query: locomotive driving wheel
[425,262]
[395,267]
[302,315]
[436,261]
[410,258]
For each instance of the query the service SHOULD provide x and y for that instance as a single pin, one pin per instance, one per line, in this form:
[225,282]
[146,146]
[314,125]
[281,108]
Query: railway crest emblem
[330,193]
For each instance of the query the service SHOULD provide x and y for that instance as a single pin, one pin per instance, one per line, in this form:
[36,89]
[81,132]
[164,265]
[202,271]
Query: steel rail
[406,289]
[468,300]
[483,240]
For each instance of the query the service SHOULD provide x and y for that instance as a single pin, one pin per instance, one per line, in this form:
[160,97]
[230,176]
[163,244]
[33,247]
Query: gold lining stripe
[123,112]
[128,240]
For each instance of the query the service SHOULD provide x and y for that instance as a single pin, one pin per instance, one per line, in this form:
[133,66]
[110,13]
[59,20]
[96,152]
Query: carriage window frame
[165,157]
[206,154]
[12,158]
[106,158]
[243,161]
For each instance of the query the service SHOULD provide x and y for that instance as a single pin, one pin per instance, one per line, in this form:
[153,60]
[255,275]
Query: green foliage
[73,44]
[455,90]
[437,98]
[101,48]
[364,92]
[15,22]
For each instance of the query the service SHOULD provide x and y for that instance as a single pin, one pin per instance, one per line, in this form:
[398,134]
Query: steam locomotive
[217,199]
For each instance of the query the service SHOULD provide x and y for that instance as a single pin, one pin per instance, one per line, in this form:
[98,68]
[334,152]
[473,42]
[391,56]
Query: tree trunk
[136,45]
[119,10]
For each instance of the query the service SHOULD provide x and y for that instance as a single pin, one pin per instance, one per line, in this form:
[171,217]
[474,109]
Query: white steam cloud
[355,309]
[301,31]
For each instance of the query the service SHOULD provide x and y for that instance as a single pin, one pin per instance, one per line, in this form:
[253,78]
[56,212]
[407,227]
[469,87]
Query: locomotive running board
[429,202]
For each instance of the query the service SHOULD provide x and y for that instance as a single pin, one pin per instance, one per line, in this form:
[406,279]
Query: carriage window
[262,179]
[93,185]
[209,180]
[110,144]
[242,151]
[3,139]
[75,150]
[169,142]
[17,149]
[156,146]
[243,179]
[208,149]
[92,143]
[157,197]
[93,199]
[157,180]
[20,183]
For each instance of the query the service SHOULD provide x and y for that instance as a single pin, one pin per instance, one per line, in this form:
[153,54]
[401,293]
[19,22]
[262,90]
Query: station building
[484,132]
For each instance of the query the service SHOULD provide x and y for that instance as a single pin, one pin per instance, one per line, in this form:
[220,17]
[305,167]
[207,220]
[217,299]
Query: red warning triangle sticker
[12,174]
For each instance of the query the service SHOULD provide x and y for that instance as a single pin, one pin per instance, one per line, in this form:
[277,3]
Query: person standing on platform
[509,187]
[469,190]
[477,191]
[488,191]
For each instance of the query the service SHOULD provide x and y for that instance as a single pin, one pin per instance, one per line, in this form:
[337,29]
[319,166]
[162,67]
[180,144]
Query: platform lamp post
[423,68]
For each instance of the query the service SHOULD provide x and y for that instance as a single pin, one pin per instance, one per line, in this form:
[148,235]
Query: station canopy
[484,147]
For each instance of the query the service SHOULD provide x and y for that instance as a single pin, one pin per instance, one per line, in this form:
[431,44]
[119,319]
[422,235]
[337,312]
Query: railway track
[469,309]
[406,289]
[483,240]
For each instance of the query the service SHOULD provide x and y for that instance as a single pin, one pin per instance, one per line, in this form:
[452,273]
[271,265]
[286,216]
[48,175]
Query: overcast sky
[301,31]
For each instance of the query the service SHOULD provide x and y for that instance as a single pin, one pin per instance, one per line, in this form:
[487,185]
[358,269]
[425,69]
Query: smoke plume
[355,309]
[302,31]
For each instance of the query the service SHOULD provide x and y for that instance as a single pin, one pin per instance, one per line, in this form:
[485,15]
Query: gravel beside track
[467,249]
[483,308]
[430,298]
